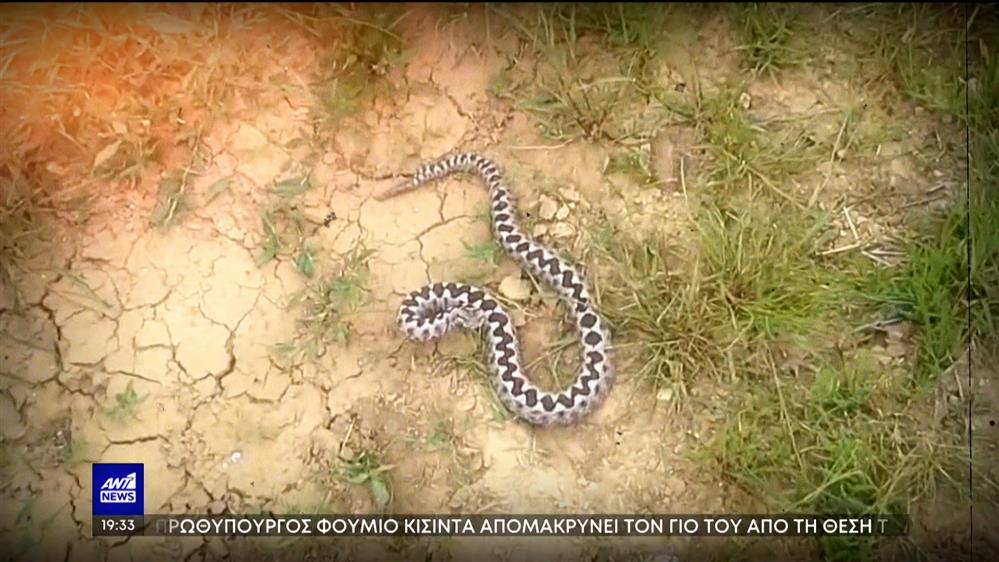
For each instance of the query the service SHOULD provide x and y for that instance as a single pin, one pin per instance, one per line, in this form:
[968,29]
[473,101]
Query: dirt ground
[130,342]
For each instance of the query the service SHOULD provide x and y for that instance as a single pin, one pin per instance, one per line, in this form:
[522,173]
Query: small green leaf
[305,263]
[380,491]
[291,187]
[357,478]
[217,188]
[268,253]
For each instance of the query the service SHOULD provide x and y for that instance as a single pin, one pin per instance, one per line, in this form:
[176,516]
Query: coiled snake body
[433,310]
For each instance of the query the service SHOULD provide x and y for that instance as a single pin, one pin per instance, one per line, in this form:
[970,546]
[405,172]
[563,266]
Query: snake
[437,308]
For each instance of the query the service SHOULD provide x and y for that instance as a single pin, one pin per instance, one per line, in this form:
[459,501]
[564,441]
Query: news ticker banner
[119,510]
[498,525]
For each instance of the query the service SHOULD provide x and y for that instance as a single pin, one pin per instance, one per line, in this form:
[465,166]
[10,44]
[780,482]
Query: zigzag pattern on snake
[433,310]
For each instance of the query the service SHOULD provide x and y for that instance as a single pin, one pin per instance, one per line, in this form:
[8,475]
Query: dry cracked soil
[132,342]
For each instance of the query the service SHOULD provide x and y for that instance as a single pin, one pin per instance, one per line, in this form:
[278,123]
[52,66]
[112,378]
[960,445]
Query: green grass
[365,468]
[25,213]
[483,252]
[982,214]
[818,419]
[743,150]
[126,405]
[765,32]
[593,93]
[931,291]
[170,199]
[916,49]
[765,265]
[305,261]
[284,226]
[173,196]
[632,163]
[981,209]
[817,422]
[327,306]
[674,327]
[627,29]
[365,45]
[938,288]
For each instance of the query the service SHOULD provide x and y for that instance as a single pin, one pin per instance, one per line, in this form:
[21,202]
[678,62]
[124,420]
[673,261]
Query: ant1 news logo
[118,489]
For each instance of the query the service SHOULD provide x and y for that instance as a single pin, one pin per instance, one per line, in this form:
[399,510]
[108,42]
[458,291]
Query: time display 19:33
[117,526]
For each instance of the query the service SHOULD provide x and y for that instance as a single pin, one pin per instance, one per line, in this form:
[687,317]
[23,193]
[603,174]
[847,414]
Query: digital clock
[116,526]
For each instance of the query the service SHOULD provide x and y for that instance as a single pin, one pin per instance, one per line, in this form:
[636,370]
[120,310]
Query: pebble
[561,230]
[562,213]
[547,208]
[513,287]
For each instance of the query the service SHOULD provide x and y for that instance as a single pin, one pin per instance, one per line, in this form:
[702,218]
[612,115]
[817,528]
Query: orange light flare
[114,91]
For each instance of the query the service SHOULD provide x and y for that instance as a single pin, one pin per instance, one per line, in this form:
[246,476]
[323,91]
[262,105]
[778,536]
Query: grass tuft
[765,31]
[365,468]
[674,327]
[765,266]
[365,46]
[25,224]
[633,163]
[126,405]
[582,90]
[328,304]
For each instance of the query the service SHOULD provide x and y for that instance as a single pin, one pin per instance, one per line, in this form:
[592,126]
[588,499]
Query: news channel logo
[118,489]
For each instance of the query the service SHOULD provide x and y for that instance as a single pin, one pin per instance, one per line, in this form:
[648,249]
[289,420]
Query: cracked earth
[175,326]
[126,342]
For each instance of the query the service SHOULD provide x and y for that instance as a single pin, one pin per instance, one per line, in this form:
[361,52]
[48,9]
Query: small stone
[547,208]
[571,195]
[539,230]
[745,100]
[515,288]
[561,230]
[665,394]
[562,213]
